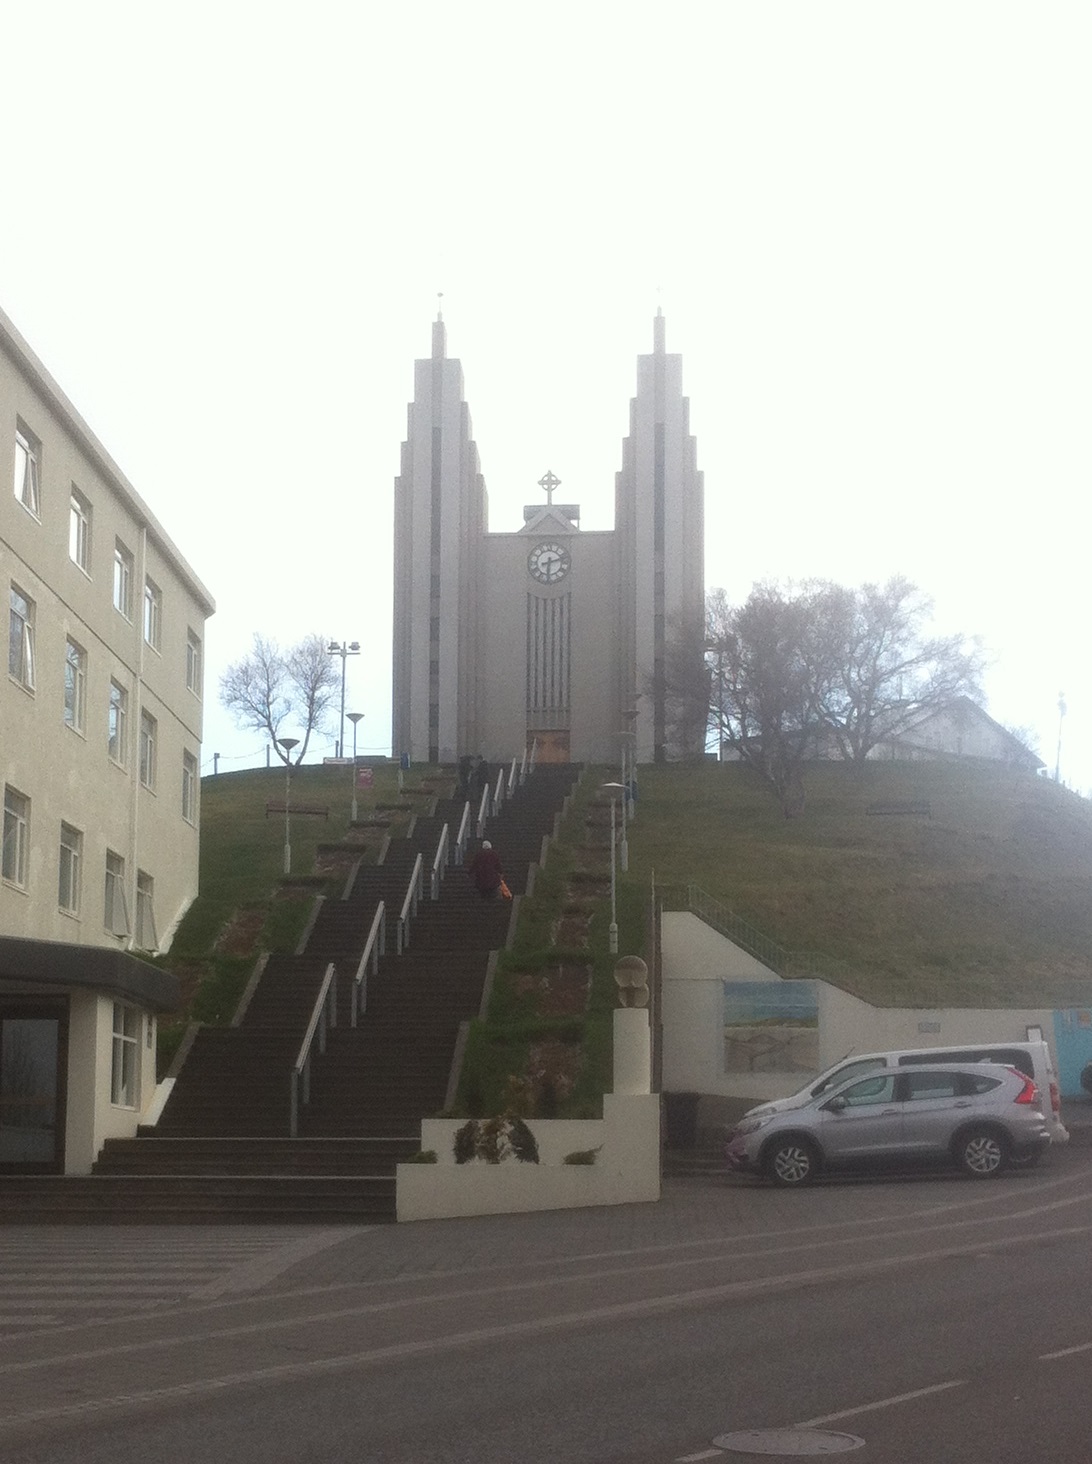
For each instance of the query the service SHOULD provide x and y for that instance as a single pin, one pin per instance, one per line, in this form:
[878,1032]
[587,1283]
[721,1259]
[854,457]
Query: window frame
[124,567]
[70,870]
[147,938]
[193,661]
[115,919]
[117,726]
[29,491]
[149,736]
[79,530]
[190,780]
[21,660]
[15,853]
[125,1056]
[153,614]
[75,686]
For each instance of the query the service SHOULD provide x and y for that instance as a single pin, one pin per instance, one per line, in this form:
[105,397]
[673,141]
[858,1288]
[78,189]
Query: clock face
[549,563]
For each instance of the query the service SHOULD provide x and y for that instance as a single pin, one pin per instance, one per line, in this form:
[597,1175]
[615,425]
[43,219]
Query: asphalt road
[932,1319]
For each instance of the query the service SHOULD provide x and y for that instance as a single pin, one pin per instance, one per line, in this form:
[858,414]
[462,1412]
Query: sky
[868,225]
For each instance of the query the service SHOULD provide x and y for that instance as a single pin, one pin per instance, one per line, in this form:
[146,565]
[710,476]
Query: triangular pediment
[548,520]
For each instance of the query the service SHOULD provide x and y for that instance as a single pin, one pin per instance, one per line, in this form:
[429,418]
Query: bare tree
[886,669]
[813,669]
[270,687]
[768,665]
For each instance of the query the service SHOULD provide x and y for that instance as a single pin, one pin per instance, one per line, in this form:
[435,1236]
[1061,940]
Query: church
[548,636]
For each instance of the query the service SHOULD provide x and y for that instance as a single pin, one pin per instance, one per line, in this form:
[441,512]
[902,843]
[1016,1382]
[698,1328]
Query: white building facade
[548,635]
[100,740]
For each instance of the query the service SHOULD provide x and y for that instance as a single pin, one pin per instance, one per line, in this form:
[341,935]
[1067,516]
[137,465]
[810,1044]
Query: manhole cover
[788,1441]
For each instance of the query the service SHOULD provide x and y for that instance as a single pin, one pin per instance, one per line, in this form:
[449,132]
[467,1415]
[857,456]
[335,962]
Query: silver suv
[978,1116]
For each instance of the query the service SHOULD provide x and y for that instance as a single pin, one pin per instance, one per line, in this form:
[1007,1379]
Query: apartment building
[100,742]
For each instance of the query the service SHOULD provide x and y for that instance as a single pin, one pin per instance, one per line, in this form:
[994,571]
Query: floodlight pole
[343,649]
[288,743]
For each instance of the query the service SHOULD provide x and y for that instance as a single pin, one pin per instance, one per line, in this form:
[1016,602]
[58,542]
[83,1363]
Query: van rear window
[1015,1057]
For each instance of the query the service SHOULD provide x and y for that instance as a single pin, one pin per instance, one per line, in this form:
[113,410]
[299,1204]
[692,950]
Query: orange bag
[506,893]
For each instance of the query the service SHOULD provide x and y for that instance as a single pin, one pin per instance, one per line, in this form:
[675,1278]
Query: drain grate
[788,1442]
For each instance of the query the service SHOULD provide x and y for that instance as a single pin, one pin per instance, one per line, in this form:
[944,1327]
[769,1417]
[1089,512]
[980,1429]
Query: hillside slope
[985,900]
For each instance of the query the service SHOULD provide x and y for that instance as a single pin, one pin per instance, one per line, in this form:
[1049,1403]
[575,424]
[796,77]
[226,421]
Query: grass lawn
[984,901]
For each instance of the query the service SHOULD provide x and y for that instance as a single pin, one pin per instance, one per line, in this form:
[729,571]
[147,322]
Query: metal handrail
[483,812]
[512,778]
[439,863]
[374,947]
[498,793]
[534,754]
[409,904]
[461,838]
[523,765]
[301,1073]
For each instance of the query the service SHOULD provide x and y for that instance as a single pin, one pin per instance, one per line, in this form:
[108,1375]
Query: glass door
[32,1082]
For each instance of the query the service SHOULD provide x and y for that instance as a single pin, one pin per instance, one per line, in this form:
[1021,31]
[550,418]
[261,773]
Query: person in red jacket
[486,871]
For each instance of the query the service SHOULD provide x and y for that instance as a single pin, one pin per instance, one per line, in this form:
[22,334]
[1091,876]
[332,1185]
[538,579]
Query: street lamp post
[344,650]
[354,717]
[288,743]
[623,850]
[613,790]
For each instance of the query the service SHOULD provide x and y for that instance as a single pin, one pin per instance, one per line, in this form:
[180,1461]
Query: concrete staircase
[221,1150]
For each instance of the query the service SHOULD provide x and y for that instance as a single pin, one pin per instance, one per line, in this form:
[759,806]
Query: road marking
[705,1454]
[882,1403]
[1065,1352]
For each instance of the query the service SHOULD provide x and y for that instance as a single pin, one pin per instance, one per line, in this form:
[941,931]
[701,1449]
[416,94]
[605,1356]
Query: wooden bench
[318,809]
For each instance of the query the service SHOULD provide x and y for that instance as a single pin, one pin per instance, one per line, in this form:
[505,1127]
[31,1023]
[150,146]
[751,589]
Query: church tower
[660,519]
[549,634]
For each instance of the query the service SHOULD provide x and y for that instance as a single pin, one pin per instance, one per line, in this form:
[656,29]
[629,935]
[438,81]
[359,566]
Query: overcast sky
[868,225]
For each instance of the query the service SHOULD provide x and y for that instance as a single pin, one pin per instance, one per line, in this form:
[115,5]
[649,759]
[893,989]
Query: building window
[21,639]
[193,662]
[75,685]
[115,911]
[147,749]
[68,884]
[146,937]
[125,1067]
[119,715]
[189,787]
[16,838]
[123,580]
[153,613]
[28,469]
[79,530]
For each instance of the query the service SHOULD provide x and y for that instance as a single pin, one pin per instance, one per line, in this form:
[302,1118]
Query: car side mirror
[838,1104]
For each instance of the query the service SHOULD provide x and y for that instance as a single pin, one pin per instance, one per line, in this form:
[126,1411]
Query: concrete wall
[697,960]
[626,1140]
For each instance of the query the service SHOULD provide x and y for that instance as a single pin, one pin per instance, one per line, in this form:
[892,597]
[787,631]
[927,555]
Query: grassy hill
[985,899]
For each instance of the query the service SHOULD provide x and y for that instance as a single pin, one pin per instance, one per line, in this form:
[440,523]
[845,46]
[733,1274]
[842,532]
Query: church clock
[549,563]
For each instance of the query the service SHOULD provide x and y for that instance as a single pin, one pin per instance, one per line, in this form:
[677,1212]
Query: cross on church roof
[548,483]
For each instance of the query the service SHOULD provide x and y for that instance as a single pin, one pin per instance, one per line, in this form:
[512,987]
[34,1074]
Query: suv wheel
[981,1153]
[791,1162]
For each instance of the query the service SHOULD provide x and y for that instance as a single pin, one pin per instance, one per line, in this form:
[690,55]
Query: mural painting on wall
[771,1027]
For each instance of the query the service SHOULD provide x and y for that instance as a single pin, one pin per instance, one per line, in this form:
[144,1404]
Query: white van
[1030,1058]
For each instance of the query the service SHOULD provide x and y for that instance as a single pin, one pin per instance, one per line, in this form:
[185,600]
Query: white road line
[705,1454]
[1065,1352]
[882,1403]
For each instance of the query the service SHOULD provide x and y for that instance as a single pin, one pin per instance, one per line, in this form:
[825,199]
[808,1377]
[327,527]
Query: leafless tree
[270,687]
[815,669]
[887,670]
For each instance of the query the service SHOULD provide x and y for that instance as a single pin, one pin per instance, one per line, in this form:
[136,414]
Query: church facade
[549,635]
